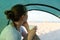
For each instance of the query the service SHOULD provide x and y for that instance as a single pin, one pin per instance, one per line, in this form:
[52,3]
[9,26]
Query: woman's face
[25,18]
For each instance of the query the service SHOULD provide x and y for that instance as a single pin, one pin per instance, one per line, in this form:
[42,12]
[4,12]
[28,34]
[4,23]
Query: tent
[50,6]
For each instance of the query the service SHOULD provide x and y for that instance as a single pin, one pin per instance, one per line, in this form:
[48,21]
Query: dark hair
[16,12]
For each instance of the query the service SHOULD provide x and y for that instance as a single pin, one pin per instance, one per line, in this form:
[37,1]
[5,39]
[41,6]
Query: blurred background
[48,25]
[45,14]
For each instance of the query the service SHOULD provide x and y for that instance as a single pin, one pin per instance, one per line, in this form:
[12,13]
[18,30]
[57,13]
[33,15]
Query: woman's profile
[18,16]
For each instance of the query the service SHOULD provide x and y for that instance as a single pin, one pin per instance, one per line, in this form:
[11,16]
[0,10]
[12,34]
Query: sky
[40,16]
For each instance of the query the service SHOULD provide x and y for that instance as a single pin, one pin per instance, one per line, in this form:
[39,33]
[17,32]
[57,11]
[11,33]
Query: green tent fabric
[51,6]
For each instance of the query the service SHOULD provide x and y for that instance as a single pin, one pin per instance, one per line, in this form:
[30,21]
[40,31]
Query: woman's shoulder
[8,30]
[9,33]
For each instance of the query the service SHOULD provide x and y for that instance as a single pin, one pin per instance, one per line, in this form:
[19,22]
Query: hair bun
[9,14]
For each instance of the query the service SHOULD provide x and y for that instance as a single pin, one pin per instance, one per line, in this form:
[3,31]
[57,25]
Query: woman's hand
[32,33]
[26,25]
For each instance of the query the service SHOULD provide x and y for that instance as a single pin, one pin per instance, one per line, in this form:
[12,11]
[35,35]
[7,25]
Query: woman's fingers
[35,28]
[32,33]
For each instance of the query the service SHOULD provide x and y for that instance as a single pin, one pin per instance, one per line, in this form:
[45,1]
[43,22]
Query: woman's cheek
[25,19]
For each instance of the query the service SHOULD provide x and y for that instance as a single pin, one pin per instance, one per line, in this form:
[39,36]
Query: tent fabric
[51,6]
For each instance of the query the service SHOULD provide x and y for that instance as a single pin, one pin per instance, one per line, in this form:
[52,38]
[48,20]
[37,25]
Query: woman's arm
[30,34]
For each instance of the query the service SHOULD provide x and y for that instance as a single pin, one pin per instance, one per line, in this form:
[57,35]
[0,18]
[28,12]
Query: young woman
[18,16]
